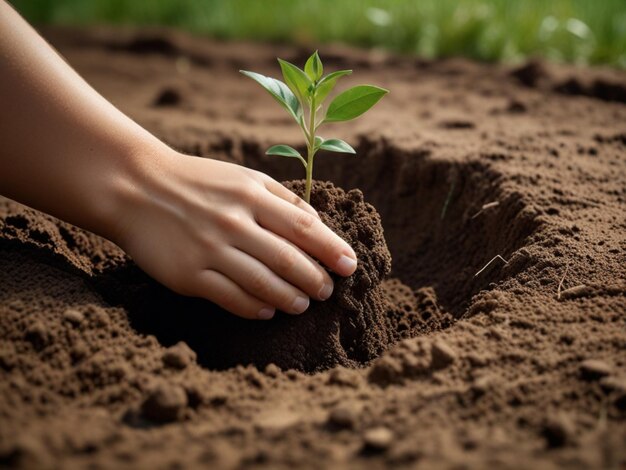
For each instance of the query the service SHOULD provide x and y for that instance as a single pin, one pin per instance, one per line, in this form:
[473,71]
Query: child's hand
[232,235]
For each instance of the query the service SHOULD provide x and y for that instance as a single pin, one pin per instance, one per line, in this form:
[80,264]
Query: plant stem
[309,177]
[310,153]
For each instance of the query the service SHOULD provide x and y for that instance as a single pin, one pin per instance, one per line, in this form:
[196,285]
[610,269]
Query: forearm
[65,149]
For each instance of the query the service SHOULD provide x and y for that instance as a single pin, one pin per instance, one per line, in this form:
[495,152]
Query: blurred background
[583,32]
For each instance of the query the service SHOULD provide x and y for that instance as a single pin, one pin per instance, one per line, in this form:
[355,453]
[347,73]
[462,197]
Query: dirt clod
[385,370]
[74,316]
[179,356]
[442,354]
[38,334]
[344,377]
[165,403]
[272,370]
[345,415]
[594,369]
[277,420]
[558,430]
[378,439]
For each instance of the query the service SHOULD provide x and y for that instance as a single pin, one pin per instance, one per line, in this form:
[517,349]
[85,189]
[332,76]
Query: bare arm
[202,227]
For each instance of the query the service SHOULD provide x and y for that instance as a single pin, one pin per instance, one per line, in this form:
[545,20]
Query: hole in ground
[428,209]
[437,242]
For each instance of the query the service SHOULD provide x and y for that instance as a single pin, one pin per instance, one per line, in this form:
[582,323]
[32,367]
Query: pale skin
[202,227]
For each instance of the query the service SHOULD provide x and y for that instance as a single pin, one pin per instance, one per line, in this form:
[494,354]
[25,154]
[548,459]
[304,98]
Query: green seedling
[304,92]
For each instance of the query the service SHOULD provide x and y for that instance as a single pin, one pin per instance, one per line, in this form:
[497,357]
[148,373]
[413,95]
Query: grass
[577,31]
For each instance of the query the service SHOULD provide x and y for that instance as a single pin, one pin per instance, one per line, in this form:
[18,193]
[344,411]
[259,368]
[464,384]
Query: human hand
[232,235]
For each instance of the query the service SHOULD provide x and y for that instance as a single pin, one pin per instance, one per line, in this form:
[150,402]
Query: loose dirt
[421,358]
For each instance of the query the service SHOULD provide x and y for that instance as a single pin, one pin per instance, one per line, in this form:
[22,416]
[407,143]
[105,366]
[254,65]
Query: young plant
[303,93]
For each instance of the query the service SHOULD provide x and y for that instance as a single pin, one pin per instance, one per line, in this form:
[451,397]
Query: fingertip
[266,313]
[326,291]
[299,305]
[346,265]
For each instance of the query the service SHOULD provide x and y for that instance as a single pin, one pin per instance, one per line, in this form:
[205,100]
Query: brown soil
[521,365]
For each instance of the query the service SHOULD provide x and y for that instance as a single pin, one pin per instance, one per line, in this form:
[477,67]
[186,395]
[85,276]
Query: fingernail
[300,305]
[346,265]
[326,291]
[266,313]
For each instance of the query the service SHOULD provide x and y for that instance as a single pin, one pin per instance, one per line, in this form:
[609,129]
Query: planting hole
[441,224]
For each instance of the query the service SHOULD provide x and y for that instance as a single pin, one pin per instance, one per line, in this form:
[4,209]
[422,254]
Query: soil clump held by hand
[350,328]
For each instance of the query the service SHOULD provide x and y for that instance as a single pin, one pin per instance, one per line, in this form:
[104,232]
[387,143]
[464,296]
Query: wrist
[129,187]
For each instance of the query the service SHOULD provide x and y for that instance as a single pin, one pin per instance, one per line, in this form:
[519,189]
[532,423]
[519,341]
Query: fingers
[261,282]
[308,233]
[279,190]
[219,289]
[288,261]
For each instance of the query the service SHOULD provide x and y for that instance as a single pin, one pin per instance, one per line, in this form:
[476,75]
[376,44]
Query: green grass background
[578,31]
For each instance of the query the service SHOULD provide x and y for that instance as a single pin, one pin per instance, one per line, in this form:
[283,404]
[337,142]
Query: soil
[421,358]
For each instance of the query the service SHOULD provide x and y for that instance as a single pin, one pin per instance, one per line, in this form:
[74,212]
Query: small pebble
[378,438]
[442,354]
[593,369]
[165,403]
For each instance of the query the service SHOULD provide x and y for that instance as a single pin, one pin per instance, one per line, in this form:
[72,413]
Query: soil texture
[485,325]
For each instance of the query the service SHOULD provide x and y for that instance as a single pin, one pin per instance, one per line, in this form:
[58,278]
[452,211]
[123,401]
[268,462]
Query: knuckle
[320,279]
[208,244]
[259,283]
[230,222]
[303,224]
[296,200]
[286,259]
[249,194]
[260,176]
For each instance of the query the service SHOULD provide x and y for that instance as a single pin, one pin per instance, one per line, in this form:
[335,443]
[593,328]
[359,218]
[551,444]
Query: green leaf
[279,91]
[337,145]
[314,67]
[296,80]
[353,102]
[285,151]
[326,84]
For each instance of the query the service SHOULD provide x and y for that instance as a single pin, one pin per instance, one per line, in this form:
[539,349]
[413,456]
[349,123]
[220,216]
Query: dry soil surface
[435,362]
